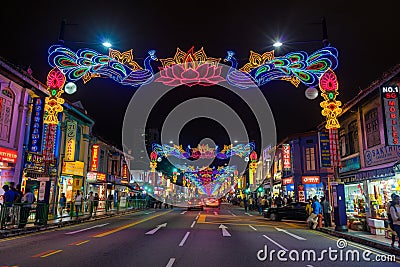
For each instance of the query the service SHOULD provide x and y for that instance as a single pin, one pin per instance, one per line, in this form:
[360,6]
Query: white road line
[233,214]
[85,229]
[309,265]
[171,261]
[184,239]
[252,227]
[248,214]
[197,217]
[279,245]
[286,232]
[193,223]
[183,212]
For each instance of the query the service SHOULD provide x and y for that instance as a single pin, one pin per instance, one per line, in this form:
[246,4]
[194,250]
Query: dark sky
[366,36]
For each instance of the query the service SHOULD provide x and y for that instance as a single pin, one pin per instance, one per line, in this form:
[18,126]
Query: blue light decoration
[203,151]
[294,67]
[36,127]
[87,63]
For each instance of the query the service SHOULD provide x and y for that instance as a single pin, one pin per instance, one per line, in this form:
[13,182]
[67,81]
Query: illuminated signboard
[310,179]
[8,155]
[73,168]
[390,105]
[70,140]
[35,138]
[286,157]
[324,145]
[95,158]
[286,181]
[125,171]
[93,177]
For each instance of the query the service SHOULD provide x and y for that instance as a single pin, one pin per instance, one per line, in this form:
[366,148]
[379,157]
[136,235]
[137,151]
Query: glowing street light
[107,44]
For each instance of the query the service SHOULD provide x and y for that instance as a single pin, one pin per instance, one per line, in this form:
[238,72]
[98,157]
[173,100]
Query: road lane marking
[197,217]
[224,231]
[151,232]
[193,223]
[183,212]
[85,229]
[129,225]
[77,243]
[252,227]
[276,243]
[184,239]
[51,253]
[248,214]
[293,225]
[201,219]
[293,235]
[233,214]
[42,253]
[171,261]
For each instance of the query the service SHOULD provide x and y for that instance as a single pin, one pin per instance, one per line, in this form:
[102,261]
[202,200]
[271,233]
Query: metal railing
[18,215]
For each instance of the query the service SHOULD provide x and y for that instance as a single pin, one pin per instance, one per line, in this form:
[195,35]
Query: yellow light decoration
[125,58]
[329,86]
[190,59]
[88,76]
[256,60]
[292,79]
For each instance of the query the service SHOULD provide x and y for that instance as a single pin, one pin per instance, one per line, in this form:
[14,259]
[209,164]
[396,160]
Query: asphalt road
[164,237]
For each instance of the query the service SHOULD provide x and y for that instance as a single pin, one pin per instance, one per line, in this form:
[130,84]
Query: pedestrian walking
[61,204]
[326,210]
[390,220]
[109,200]
[96,200]
[78,203]
[395,215]
[89,203]
[317,210]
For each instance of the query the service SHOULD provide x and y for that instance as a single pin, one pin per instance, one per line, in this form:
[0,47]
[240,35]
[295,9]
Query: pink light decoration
[55,79]
[191,68]
[328,81]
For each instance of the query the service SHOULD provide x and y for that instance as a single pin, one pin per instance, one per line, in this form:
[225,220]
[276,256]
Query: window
[352,145]
[310,159]
[6,107]
[101,162]
[372,128]
[342,142]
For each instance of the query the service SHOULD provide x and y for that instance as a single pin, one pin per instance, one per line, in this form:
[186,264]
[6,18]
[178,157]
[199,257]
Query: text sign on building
[286,157]
[36,128]
[390,105]
[286,181]
[70,141]
[325,149]
[8,155]
[310,179]
[95,158]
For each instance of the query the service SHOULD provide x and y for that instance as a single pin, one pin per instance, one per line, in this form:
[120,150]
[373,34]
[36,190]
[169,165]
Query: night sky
[367,38]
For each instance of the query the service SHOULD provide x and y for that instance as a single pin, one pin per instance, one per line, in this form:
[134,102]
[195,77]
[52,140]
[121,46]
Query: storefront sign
[124,171]
[35,137]
[310,179]
[95,158]
[286,181]
[73,168]
[286,157]
[350,164]
[93,177]
[373,174]
[8,155]
[70,140]
[390,105]
[266,154]
[300,192]
[381,154]
[324,144]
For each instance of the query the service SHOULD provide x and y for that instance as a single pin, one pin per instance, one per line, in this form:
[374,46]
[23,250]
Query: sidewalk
[375,241]
[64,221]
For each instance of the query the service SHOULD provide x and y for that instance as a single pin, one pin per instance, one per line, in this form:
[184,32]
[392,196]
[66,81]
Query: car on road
[195,204]
[292,211]
[211,202]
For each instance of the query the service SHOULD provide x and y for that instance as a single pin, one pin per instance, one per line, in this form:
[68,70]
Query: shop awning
[375,172]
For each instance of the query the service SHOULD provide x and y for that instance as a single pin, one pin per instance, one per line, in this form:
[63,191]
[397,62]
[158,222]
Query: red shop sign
[286,181]
[310,179]
[8,155]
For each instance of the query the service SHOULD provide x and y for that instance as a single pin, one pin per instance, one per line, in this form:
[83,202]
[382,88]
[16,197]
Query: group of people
[393,211]
[92,203]
[317,210]
[18,204]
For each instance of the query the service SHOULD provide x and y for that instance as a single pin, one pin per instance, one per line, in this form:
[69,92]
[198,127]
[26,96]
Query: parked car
[211,202]
[292,211]
[195,204]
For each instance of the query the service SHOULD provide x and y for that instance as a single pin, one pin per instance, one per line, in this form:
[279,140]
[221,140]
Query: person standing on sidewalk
[27,201]
[96,200]
[395,214]
[316,206]
[326,209]
[390,220]
[61,204]
[78,203]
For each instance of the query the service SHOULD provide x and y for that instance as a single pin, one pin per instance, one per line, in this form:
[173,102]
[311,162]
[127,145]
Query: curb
[360,240]
[39,228]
